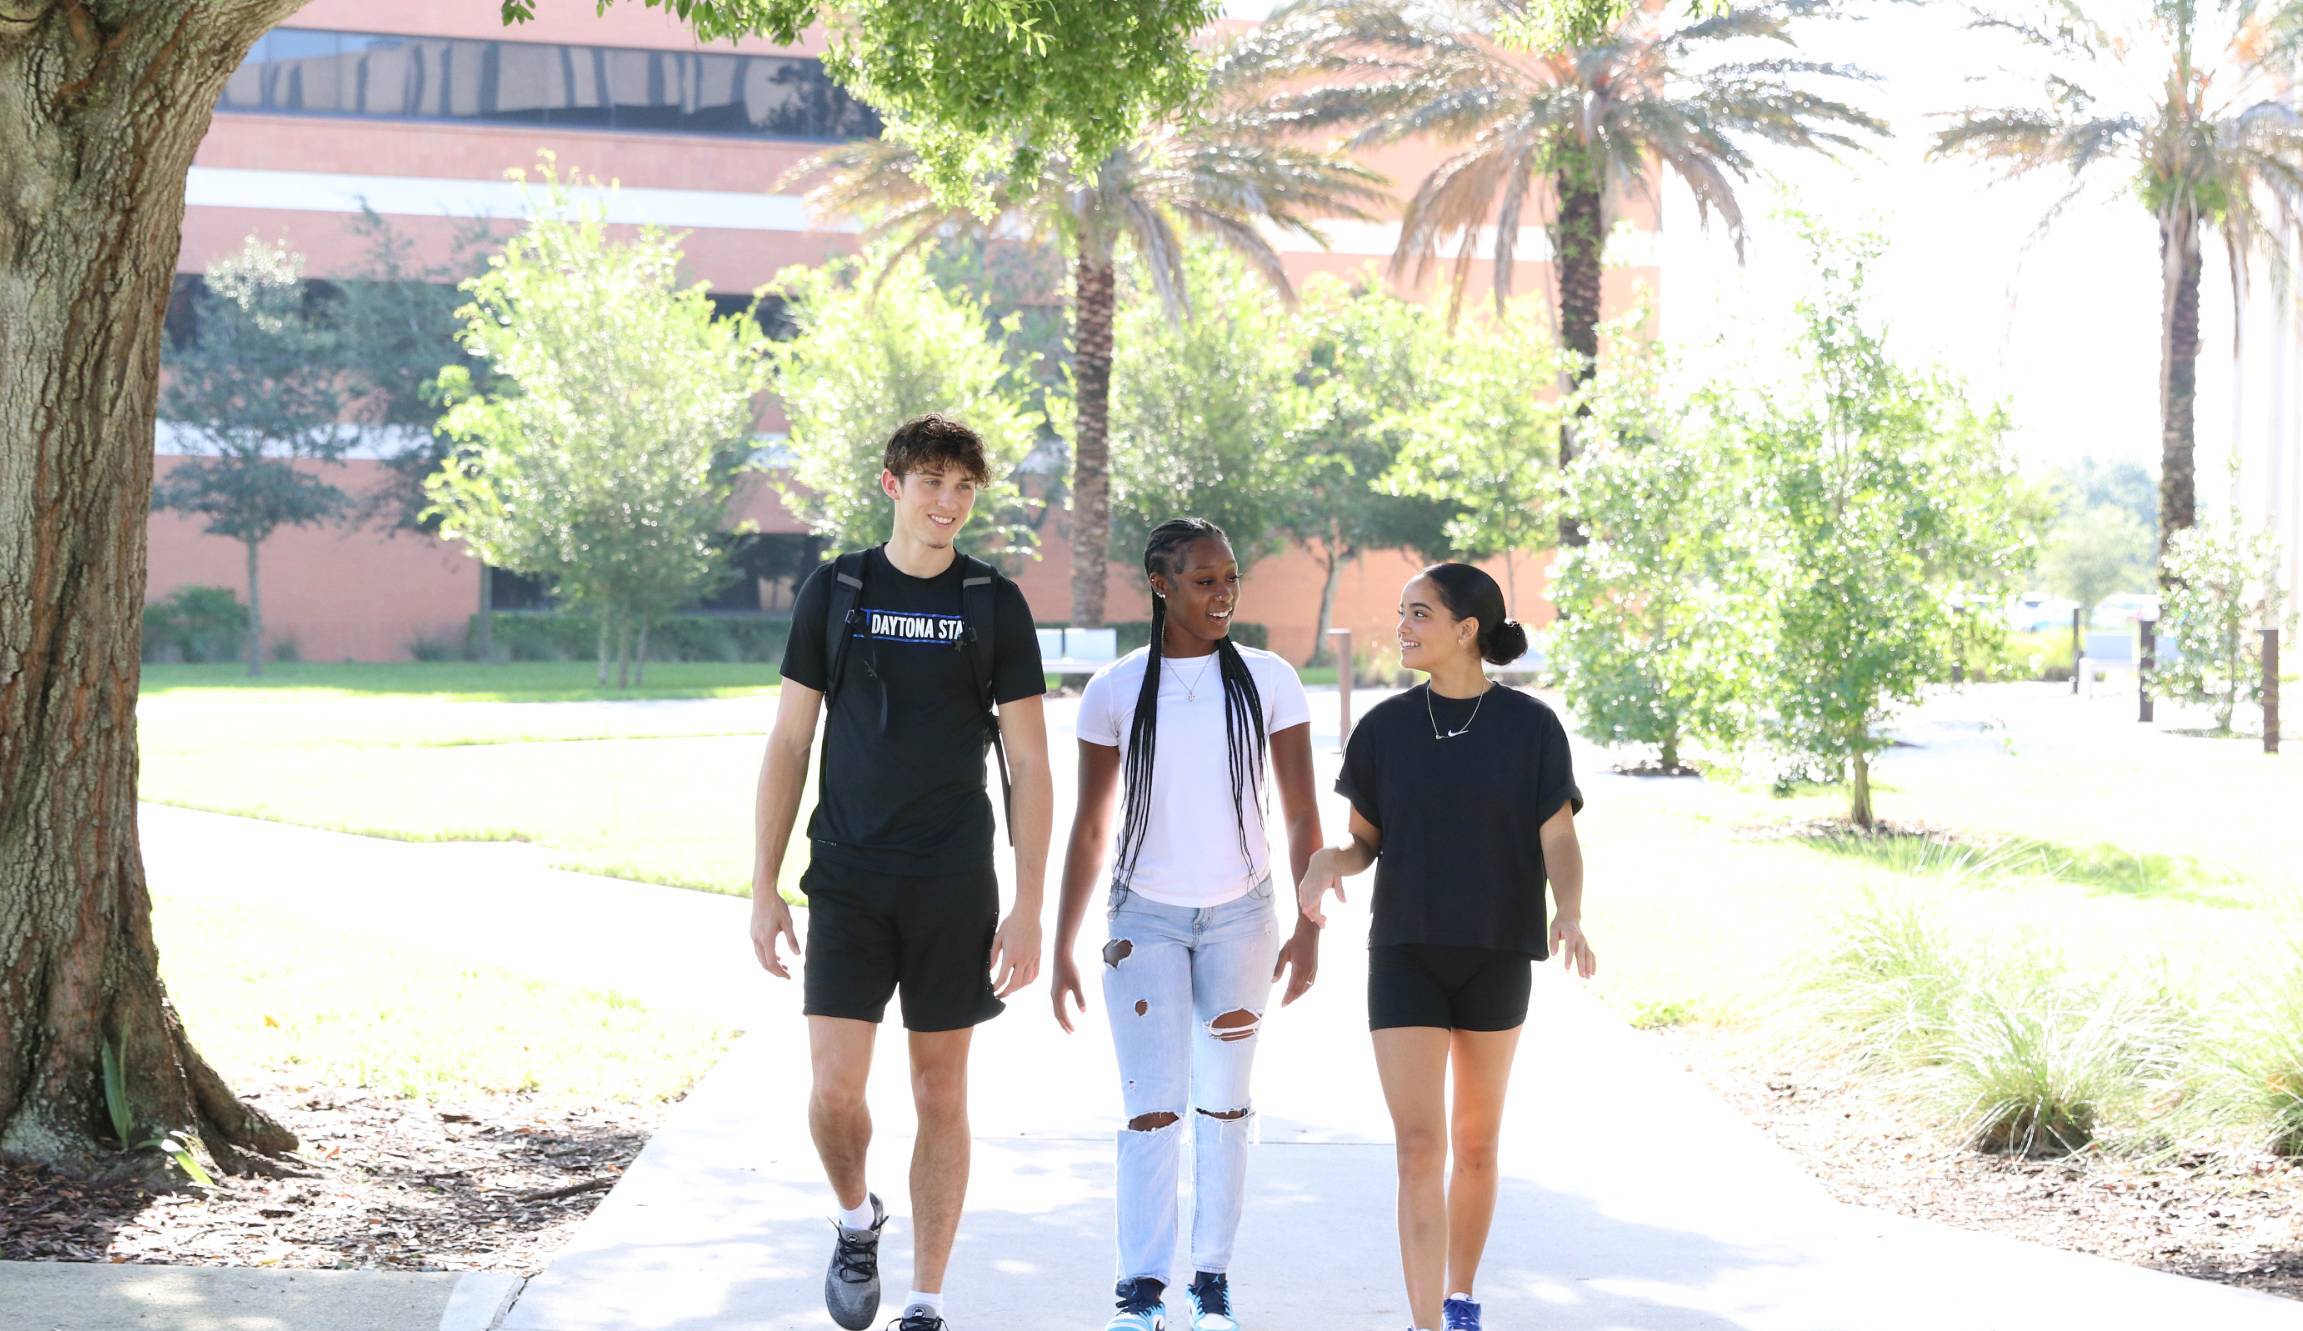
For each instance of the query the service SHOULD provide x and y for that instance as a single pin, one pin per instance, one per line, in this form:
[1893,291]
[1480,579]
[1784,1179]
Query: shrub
[424,647]
[527,636]
[195,624]
[287,650]
[1134,633]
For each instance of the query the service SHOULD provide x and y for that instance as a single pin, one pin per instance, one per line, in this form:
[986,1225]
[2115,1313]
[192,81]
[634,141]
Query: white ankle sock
[1464,1297]
[859,1218]
[921,1299]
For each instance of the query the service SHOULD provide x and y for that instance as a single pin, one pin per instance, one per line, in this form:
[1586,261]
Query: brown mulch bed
[2236,1222]
[496,1183]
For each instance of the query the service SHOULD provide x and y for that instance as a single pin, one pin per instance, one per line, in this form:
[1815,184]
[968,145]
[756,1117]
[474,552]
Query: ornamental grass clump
[2250,1077]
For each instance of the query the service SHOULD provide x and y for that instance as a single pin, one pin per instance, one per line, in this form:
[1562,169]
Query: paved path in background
[1633,1200]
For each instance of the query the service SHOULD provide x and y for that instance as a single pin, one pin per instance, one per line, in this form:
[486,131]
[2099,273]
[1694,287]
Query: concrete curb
[479,1300]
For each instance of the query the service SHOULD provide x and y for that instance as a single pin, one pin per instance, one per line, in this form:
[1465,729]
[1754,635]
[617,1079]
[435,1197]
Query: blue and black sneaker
[1140,1306]
[1460,1315]
[1211,1302]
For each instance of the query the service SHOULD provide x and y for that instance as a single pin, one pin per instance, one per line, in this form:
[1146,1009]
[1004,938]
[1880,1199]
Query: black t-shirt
[904,772]
[1462,860]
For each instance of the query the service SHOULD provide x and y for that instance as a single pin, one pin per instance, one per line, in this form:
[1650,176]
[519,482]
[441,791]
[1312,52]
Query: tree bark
[640,655]
[1578,238]
[2178,378]
[605,624]
[255,643]
[1092,304]
[483,643]
[102,105]
[1859,765]
[1337,556]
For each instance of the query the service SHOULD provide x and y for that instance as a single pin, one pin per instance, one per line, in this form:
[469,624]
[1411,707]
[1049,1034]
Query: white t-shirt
[1191,853]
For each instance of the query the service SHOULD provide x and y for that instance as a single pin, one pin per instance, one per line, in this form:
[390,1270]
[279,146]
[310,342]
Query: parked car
[2124,608]
[2035,612]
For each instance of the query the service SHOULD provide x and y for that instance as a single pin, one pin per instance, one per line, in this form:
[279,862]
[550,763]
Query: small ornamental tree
[1886,500]
[2095,552]
[1480,439]
[2223,587]
[1656,635]
[877,344]
[1366,354]
[257,398]
[1205,411]
[603,456]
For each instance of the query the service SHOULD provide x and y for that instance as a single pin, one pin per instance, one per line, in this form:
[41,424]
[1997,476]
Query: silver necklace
[1434,717]
[1191,689]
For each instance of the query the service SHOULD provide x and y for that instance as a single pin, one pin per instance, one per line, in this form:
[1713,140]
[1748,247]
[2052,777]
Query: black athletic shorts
[1456,988]
[928,935]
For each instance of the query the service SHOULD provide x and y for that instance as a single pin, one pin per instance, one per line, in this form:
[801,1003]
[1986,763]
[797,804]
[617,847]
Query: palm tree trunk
[102,108]
[2178,378]
[1578,238]
[1092,306]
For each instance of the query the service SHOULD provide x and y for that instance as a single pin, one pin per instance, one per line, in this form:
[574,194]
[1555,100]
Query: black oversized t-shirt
[1461,861]
[904,786]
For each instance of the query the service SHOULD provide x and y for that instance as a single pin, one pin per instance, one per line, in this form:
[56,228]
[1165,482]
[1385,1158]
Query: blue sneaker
[1140,1306]
[1460,1315]
[1211,1303]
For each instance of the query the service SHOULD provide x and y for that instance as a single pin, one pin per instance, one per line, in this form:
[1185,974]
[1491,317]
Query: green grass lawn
[453,681]
[303,1002]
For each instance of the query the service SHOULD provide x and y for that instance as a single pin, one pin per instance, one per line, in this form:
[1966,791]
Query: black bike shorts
[1454,988]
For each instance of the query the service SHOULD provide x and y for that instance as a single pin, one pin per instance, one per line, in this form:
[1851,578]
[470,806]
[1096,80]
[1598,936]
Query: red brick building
[418,109]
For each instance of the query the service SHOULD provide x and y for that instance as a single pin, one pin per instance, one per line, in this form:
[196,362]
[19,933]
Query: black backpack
[977,585]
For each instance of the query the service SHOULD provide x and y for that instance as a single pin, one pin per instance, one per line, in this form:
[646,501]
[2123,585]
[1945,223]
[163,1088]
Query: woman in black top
[1463,798]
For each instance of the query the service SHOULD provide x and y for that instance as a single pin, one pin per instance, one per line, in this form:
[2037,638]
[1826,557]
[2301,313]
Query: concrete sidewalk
[1633,1200]
[83,1296]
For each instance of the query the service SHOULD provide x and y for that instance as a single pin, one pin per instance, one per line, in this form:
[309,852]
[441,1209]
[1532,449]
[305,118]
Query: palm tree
[2189,105]
[1594,122]
[1219,175]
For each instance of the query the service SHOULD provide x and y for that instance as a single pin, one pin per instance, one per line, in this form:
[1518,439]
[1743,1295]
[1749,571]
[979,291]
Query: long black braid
[1244,737]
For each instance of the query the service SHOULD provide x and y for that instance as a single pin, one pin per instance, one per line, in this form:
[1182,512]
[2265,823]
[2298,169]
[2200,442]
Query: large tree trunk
[1578,238]
[1860,792]
[2178,377]
[102,104]
[255,643]
[1092,301]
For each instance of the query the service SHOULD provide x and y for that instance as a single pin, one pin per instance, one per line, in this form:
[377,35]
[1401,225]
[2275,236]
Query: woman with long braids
[1174,737]
[1463,799]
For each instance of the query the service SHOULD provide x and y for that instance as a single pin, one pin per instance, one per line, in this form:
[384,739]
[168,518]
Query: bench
[1073,651]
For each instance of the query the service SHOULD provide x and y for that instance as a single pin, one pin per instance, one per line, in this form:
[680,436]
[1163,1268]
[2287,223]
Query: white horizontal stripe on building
[438,196]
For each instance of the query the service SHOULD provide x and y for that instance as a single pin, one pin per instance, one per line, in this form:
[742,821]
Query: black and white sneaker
[1140,1306]
[852,1285]
[1211,1302]
[920,1317]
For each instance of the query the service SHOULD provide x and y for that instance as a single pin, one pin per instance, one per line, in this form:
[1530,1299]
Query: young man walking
[908,648]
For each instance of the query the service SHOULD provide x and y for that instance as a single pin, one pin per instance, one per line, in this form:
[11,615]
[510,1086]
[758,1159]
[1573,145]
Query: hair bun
[1506,644]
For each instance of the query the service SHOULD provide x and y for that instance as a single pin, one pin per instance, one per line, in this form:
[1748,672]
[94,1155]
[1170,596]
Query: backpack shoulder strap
[979,593]
[847,592]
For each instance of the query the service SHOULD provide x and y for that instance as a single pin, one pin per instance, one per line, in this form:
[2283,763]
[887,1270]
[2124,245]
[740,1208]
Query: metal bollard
[2270,690]
[2146,659]
[1342,685]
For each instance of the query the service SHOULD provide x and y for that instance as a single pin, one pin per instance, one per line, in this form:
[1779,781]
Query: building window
[306,71]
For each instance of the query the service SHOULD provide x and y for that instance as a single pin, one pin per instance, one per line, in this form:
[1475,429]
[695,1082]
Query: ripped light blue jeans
[1186,990]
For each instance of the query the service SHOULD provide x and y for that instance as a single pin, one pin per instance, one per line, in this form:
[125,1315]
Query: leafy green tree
[1366,354]
[105,103]
[258,398]
[1658,630]
[1476,441]
[603,458]
[2091,483]
[2224,585]
[878,342]
[1225,175]
[1635,91]
[977,86]
[1204,412]
[1886,500]
[2186,106]
[2091,554]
